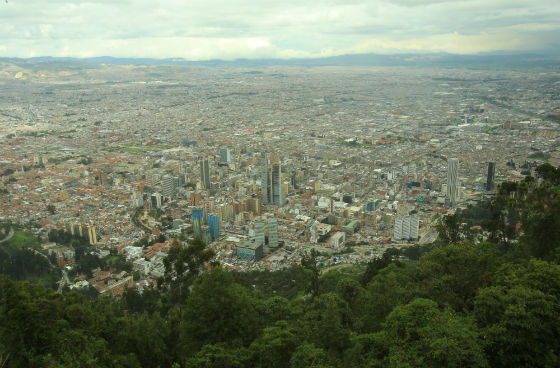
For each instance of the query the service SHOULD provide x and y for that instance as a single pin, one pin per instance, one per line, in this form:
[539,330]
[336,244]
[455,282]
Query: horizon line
[549,53]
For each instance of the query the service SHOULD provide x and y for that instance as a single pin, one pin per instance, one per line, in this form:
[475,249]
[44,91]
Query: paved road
[42,255]
[10,234]
[63,281]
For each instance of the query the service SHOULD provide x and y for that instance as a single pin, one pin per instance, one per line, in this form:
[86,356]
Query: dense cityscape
[279,184]
[263,164]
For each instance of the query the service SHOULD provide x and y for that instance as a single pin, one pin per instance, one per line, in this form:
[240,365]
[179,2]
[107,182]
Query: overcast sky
[229,29]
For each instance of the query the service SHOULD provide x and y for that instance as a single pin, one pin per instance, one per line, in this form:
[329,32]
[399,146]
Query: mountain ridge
[523,59]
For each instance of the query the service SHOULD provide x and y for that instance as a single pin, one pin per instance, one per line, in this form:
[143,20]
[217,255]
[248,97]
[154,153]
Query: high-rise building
[278,194]
[293,180]
[338,239]
[204,174]
[225,155]
[84,232]
[225,211]
[137,200]
[272,186]
[156,200]
[490,177]
[178,181]
[313,232]
[209,207]
[198,220]
[406,227]
[168,186]
[214,225]
[259,233]
[76,229]
[92,236]
[253,206]
[414,225]
[196,198]
[453,180]
[266,179]
[272,232]
[397,230]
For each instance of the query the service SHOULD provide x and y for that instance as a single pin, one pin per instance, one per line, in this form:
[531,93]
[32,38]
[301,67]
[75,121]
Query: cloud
[208,29]
[453,43]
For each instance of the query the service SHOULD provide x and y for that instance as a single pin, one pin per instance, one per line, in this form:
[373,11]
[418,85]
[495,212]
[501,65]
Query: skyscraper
[214,225]
[198,220]
[272,187]
[453,180]
[272,232]
[204,174]
[92,236]
[266,179]
[225,155]
[490,178]
[168,186]
[278,194]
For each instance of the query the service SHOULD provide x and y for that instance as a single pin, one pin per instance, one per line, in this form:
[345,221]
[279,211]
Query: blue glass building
[214,225]
[198,220]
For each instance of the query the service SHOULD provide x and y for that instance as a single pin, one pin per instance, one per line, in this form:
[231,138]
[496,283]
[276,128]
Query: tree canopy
[461,302]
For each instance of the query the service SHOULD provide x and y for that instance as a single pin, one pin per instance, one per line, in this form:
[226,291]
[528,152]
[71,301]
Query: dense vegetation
[20,259]
[463,303]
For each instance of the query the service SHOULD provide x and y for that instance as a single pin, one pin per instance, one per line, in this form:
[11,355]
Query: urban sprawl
[262,164]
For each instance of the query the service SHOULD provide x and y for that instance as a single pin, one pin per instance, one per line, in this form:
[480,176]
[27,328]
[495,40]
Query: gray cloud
[202,29]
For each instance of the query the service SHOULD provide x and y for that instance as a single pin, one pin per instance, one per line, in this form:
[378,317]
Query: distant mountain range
[493,60]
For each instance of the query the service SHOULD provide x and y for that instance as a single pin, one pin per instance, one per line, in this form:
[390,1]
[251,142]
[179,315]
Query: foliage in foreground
[427,313]
[461,304]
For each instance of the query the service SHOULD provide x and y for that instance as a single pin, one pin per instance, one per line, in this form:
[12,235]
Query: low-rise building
[250,251]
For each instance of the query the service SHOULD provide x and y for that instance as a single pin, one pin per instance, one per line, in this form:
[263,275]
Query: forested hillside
[463,303]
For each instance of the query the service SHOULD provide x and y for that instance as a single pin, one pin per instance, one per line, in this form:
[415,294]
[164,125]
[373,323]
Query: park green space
[22,239]
[131,147]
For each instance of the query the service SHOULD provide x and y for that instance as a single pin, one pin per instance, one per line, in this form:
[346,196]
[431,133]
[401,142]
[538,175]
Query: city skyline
[319,158]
